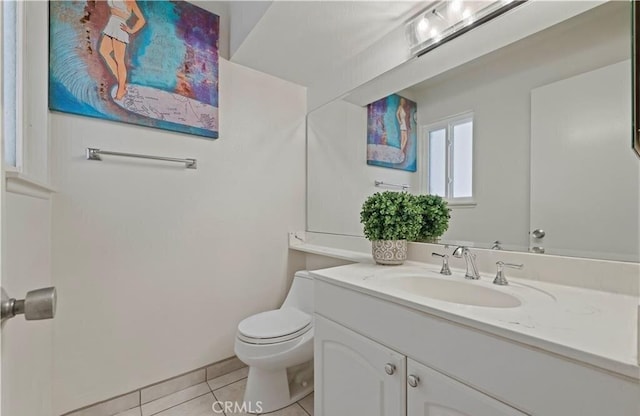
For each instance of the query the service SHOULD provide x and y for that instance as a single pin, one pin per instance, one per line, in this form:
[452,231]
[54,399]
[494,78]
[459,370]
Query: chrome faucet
[445,270]
[470,259]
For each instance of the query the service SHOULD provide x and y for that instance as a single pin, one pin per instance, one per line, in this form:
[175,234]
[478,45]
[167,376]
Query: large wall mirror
[545,146]
[636,76]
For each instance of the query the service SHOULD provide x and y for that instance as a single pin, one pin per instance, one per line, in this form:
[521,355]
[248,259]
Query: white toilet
[278,348]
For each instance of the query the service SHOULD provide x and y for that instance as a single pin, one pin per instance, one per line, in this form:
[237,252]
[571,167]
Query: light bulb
[421,29]
[455,5]
[467,16]
[434,33]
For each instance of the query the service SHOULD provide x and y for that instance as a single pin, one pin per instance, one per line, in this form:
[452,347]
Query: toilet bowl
[277,346]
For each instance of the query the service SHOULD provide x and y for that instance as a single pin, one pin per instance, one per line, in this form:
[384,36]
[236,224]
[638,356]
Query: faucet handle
[459,251]
[445,263]
[501,279]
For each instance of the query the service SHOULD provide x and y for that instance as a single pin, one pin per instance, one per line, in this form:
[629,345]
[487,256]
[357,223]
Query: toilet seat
[274,326]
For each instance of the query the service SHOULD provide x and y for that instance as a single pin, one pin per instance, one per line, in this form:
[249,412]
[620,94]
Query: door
[431,393]
[27,346]
[584,122]
[355,375]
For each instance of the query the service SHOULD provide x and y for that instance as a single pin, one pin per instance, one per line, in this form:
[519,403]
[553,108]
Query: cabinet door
[438,395]
[355,375]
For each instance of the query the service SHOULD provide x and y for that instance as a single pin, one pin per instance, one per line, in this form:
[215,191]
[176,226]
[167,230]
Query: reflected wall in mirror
[545,146]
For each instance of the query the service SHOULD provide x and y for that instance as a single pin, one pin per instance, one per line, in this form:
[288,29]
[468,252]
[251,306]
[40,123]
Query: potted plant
[390,219]
[435,217]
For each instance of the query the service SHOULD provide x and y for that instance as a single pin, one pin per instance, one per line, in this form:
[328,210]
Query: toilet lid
[274,324]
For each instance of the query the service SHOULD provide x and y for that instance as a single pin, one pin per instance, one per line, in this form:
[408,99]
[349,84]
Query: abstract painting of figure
[152,63]
[391,133]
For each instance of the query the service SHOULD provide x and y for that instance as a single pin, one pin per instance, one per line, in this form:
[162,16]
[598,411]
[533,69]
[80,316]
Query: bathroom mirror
[547,159]
[636,78]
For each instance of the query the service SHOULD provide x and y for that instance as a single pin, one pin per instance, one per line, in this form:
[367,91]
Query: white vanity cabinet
[358,376]
[354,375]
[430,393]
[462,369]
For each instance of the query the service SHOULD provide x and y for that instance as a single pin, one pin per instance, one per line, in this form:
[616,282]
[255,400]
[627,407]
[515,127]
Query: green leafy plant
[391,216]
[435,216]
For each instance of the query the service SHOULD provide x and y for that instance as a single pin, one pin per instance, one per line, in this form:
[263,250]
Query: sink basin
[465,293]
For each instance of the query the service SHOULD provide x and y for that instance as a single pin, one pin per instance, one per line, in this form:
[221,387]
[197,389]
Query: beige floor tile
[224,367]
[173,385]
[174,399]
[227,379]
[232,393]
[307,403]
[200,406]
[131,412]
[235,393]
[293,410]
[112,406]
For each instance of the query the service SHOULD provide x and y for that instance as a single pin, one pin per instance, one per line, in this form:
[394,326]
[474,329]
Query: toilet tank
[301,293]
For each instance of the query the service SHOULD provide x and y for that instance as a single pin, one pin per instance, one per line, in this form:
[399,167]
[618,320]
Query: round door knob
[38,304]
[538,233]
[389,368]
[413,380]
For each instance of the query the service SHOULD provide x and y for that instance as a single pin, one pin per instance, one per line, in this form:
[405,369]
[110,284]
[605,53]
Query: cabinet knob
[389,368]
[413,380]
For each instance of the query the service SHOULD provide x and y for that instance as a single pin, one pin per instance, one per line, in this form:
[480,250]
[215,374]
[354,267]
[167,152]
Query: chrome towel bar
[94,154]
[391,185]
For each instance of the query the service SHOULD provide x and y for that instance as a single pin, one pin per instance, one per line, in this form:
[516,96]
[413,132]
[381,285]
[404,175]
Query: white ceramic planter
[389,252]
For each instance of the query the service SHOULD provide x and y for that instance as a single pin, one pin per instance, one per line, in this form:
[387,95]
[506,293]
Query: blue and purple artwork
[151,63]
[391,133]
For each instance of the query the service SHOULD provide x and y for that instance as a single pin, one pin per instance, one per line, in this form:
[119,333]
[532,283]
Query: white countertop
[593,327]
[337,253]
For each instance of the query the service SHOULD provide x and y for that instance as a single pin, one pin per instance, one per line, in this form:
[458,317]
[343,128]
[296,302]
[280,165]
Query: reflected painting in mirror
[391,133]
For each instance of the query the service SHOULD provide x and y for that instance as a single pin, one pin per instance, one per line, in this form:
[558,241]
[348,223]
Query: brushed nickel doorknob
[37,304]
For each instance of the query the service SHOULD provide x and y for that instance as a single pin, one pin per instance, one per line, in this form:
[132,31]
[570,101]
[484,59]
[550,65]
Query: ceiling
[300,40]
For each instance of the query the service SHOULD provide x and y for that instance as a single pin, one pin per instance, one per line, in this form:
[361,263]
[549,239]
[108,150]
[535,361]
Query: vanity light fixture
[445,20]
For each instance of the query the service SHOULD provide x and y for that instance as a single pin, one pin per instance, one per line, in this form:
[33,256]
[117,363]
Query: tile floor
[197,400]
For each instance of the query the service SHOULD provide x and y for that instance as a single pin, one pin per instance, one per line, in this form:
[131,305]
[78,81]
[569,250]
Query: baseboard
[159,389]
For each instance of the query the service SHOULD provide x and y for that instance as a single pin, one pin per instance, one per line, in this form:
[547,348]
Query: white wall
[383,56]
[244,15]
[155,265]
